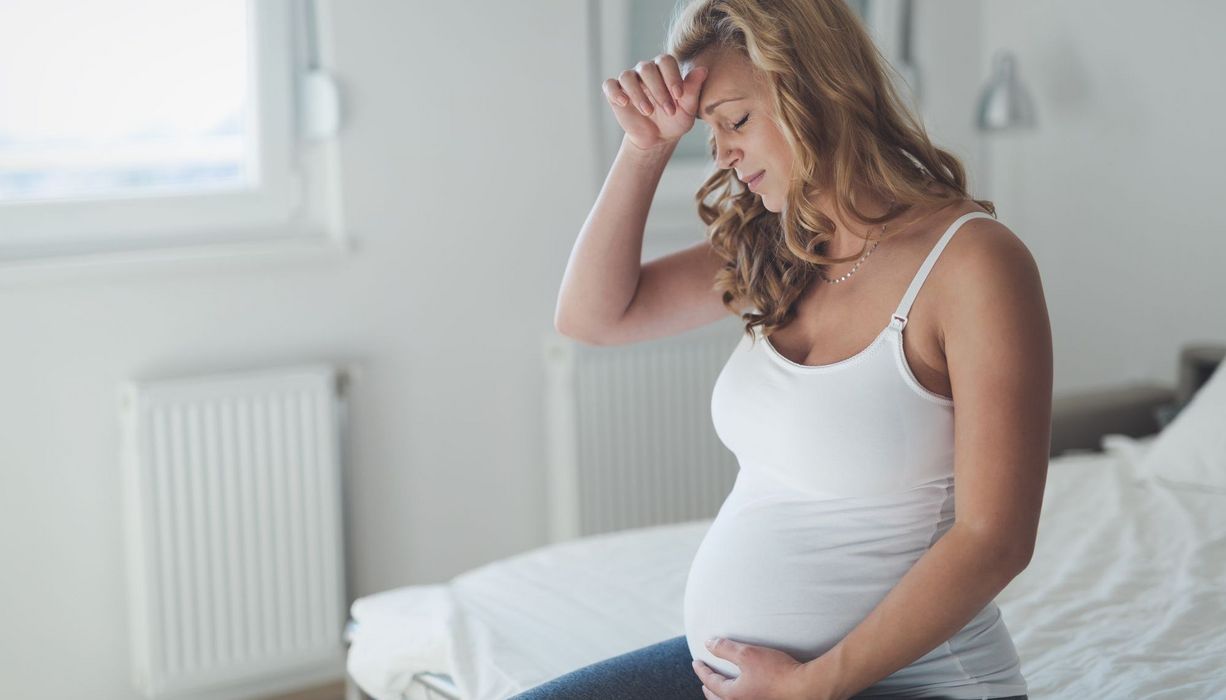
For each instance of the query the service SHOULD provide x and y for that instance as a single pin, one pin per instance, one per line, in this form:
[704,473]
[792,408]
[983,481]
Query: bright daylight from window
[123,98]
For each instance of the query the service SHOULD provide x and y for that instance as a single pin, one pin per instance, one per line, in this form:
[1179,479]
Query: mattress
[1125,596]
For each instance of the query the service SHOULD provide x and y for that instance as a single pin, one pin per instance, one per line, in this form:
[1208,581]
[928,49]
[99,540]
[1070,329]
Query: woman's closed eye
[737,126]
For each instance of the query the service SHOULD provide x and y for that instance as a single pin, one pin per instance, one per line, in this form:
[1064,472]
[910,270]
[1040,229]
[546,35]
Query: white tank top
[845,480]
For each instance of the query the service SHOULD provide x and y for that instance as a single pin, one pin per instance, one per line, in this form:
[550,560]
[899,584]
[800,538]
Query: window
[136,124]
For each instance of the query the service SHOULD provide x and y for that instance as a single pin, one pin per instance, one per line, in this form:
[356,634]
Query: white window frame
[295,207]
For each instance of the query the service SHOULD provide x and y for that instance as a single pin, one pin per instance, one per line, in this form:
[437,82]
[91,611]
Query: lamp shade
[1004,103]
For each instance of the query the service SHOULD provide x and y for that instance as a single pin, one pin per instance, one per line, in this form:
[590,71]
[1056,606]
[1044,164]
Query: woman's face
[735,103]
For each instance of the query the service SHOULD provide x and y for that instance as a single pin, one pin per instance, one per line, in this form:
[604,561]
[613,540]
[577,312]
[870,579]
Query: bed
[1125,596]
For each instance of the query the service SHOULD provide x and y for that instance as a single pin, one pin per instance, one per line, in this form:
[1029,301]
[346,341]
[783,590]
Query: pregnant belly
[792,576]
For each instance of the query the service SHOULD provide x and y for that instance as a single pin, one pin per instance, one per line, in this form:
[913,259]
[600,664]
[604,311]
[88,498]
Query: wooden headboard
[1080,420]
[1196,364]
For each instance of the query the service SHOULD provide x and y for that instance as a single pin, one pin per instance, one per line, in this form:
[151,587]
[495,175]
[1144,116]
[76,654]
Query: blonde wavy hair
[847,129]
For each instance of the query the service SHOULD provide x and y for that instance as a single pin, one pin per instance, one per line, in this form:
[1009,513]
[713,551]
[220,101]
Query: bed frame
[1079,422]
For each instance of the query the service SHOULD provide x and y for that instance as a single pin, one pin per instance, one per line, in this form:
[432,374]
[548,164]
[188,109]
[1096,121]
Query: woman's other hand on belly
[766,674]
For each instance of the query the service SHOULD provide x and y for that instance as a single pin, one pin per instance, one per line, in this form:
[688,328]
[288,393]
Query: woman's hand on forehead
[654,102]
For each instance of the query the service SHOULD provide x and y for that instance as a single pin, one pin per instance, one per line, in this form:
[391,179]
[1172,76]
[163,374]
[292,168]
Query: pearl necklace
[855,267]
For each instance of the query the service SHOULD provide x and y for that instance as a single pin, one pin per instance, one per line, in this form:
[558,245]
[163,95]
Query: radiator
[630,440]
[233,519]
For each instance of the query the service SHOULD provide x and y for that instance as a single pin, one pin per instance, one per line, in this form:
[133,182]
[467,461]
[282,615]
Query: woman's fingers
[648,87]
[692,87]
[656,90]
[670,72]
[613,93]
[654,83]
[629,82]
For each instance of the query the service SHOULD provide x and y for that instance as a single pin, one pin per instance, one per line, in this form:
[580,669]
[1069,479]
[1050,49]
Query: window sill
[176,259]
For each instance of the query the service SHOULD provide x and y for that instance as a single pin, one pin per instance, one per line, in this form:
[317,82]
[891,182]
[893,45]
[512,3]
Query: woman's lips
[751,184]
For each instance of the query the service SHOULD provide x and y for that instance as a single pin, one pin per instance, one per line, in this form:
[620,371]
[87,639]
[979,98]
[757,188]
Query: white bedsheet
[397,634]
[524,620]
[1125,597]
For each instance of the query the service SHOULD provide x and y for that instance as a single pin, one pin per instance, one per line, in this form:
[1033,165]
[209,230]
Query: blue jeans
[660,671]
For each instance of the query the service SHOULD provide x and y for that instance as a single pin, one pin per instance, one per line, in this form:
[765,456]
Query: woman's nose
[726,159]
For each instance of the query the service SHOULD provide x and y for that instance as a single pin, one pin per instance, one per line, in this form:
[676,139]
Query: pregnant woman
[871,525]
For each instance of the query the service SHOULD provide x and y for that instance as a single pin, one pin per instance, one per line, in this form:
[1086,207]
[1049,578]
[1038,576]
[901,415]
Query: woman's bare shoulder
[987,242]
[984,260]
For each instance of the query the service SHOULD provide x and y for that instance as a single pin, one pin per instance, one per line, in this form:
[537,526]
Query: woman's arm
[603,270]
[998,347]
[605,264]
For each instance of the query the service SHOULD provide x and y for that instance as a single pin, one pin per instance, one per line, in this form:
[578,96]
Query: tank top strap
[904,308]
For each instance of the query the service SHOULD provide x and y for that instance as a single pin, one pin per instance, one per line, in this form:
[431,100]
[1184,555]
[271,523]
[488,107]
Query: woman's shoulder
[976,238]
[982,242]
[983,260]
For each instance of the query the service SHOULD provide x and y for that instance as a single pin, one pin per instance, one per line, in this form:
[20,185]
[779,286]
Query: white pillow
[1191,450]
[1129,450]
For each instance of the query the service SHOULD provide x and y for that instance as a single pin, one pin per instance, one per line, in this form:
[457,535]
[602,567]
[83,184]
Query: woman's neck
[849,233]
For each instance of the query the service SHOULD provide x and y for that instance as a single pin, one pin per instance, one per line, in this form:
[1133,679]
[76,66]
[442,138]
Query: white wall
[1119,193]
[467,174]
[1116,193]
[948,46]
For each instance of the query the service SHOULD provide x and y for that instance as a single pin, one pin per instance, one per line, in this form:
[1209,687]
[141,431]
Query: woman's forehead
[726,73]
[720,88]
[721,61]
